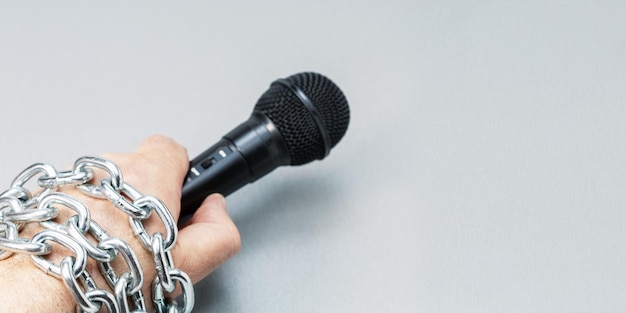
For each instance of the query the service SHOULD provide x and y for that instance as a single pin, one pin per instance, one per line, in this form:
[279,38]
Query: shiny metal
[66,178]
[32,215]
[11,243]
[171,229]
[8,233]
[87,240]
[8,230]
[103,164]
[163,262]
[120,200]
[84,217]
[16,192]
[135,272]
[158,294]
[31,172]
[91,190]
[103,297]
[69,279]
[22,246]
[122,295]
[80,262]
[94,252]
[10,205]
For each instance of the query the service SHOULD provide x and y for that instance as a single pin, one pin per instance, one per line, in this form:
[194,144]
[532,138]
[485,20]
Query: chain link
[18,206]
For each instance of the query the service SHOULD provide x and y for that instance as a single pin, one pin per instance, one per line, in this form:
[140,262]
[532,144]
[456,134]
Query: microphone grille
[296,123]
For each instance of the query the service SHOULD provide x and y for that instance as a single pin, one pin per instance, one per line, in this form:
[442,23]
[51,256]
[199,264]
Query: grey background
[484,169]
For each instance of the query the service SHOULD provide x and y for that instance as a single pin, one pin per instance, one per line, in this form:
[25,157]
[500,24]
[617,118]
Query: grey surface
[484,169]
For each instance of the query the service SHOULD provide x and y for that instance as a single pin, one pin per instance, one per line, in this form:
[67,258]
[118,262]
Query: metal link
[171,230]
[158,294]
[10,205]
[117,197]
[70,281]
[25,247]
[163,262]
[31,171]
[94,252]
[80,262]
[122,295]
[135,273]
[19,207]
[16,192]
[8,233]
[28,174]
[32,215]
[103,164]
[84,217]
[103,297]
[10,242]
[67,178]
[92,191]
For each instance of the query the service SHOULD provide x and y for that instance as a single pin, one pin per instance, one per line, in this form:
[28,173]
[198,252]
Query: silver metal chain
[18,207]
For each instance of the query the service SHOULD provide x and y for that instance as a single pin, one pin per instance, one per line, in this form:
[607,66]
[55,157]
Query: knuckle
[168,147]
[164,142]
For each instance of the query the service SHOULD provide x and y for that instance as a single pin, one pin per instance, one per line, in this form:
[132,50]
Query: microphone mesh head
[297,124]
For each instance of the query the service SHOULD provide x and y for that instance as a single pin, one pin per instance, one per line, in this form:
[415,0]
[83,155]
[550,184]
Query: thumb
[209,240]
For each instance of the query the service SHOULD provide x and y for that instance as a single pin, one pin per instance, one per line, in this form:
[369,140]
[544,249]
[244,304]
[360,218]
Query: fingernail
[218,199]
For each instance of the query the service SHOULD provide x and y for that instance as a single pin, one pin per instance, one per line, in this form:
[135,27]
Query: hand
[156,168]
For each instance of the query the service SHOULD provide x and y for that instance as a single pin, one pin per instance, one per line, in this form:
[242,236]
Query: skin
[157,168]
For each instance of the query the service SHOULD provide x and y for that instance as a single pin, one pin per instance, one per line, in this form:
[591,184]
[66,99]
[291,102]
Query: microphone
[297,120]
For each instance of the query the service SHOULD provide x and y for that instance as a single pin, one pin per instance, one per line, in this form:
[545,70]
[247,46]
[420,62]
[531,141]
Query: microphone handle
[219,169]
[247,153]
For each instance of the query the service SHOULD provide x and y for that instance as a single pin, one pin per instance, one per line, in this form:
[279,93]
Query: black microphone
[297,120]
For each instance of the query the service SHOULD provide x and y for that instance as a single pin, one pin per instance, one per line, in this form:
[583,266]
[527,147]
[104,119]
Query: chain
[18,207]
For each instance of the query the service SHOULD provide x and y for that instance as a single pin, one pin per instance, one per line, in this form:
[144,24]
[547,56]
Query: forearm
[156,168]
[26,288]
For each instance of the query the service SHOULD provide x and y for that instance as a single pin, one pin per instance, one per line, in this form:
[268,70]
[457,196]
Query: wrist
[86,268]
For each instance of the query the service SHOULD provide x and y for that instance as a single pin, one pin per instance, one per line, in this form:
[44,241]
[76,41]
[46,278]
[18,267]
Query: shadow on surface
[264,216]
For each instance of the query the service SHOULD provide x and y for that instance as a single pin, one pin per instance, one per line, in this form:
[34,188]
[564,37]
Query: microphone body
[297,120]
[245,154]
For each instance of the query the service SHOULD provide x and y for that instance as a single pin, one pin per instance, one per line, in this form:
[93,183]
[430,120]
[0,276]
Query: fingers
[211,237]
[208,241]
[158,167]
